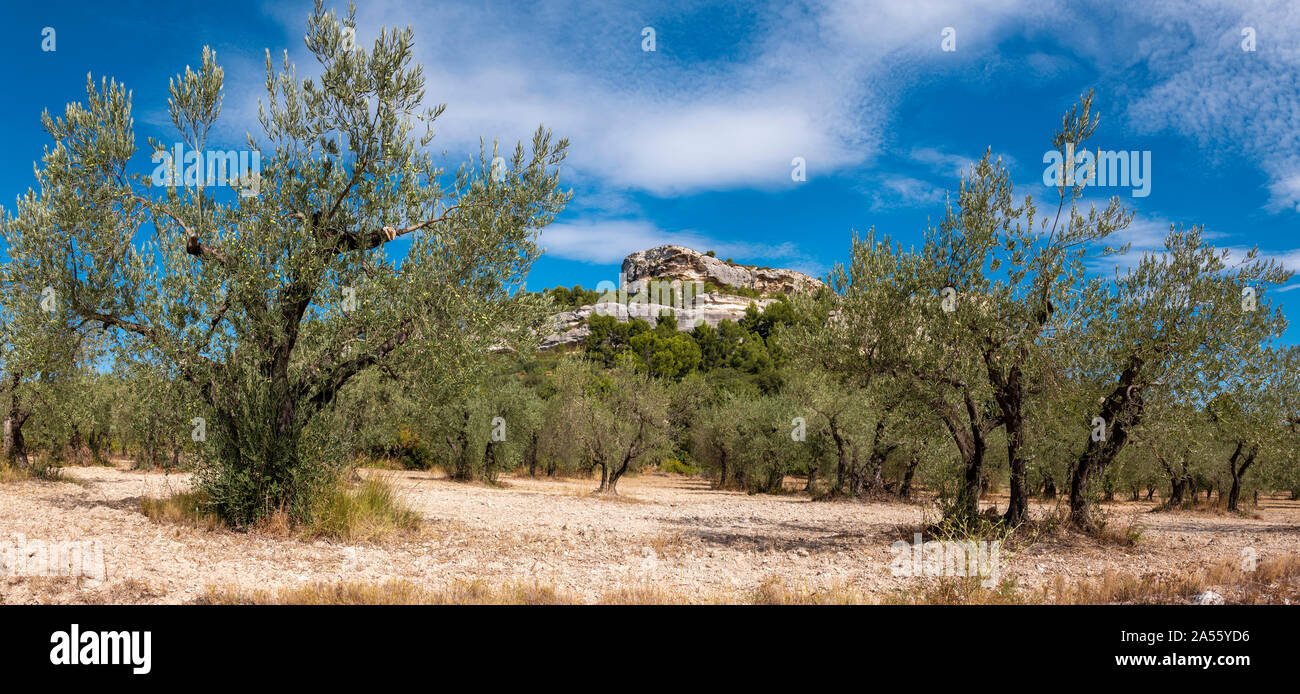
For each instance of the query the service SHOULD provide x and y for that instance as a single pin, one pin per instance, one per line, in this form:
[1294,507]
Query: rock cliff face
[678,262]
[569,328]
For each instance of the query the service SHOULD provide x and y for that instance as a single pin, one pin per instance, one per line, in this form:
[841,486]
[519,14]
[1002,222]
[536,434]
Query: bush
[677,467]
[408,450]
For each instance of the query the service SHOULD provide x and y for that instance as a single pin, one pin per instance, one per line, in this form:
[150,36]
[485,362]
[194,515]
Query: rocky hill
[569,328]
[679,262]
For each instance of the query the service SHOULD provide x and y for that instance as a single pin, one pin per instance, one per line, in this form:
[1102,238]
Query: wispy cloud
[952,166]
[890,190]
[1146,236]
[937,172]
[819,81]
[1207,88]
[816,82]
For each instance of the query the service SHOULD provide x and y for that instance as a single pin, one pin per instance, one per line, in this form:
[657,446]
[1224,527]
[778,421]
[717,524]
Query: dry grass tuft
[1277,568]
[1117,588]
[37,469]
[774,591]
[958,591]
[1112,534]
[279,524]
[1271,581]
[669,545]
[184,508]
[394,592]
[640,594]
[50,590]
[132,591]
[370,513]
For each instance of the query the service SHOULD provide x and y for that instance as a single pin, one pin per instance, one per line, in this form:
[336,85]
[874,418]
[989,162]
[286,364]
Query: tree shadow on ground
[774,537]
[73,503]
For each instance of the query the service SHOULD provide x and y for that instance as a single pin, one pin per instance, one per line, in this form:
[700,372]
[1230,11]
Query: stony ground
[670,533]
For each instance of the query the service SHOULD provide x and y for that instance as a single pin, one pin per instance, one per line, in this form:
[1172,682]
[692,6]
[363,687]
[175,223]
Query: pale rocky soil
[672,533]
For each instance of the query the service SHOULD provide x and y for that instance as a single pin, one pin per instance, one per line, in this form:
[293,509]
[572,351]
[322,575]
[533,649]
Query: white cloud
[701,146]
[637,120]
[1284,192]
[816,82]
[819,81]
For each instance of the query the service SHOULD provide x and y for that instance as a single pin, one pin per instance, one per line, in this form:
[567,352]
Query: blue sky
[692,143]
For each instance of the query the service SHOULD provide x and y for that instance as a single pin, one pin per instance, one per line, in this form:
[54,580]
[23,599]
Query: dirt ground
[672,533]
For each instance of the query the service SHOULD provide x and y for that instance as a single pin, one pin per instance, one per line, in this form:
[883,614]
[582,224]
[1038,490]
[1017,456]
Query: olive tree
[1033,301]
[844,412]
[161,423]
[1178,314]
[42,354]
[1250,413]
[1178,439]
[618,420]
[490,428]
[893,319]
[268,297]
[753,442]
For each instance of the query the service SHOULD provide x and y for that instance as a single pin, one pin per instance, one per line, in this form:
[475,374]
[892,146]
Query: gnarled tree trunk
[905,490]
[1121,410]
[1238,472]
[15,444]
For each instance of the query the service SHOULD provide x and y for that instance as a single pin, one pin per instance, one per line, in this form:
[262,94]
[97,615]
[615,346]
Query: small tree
[619,420]
[42,353]
[1250,415]
[1177,438]
[711,443]
[748,441]
[843,411]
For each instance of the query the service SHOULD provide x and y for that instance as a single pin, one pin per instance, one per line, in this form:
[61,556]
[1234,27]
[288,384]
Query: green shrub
[678,467]
[411,451]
